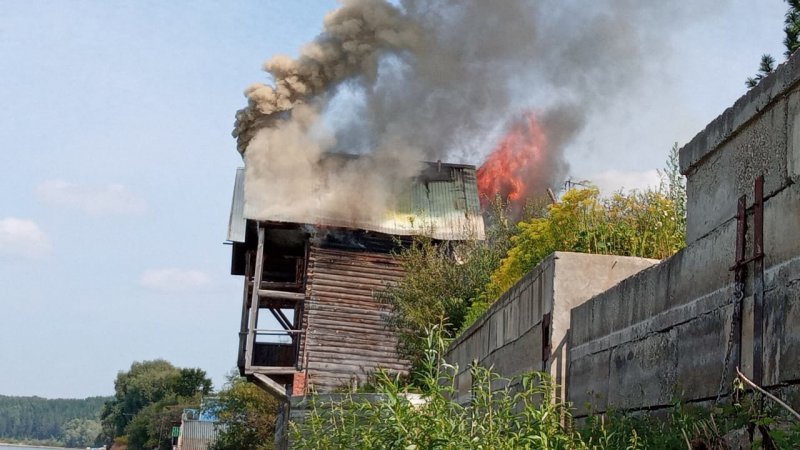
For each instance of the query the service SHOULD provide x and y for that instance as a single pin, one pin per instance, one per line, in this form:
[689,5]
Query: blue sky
[117,165]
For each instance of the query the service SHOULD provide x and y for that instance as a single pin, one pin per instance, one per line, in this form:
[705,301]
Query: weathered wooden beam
[280,318]
[267,370]
[274,332]
[270,385]
[281,295]
[251,336]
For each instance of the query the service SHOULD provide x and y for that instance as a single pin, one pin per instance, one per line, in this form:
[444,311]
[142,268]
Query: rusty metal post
[758,281]
[740,272]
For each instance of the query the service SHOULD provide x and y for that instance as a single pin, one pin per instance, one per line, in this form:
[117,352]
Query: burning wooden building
[310,316]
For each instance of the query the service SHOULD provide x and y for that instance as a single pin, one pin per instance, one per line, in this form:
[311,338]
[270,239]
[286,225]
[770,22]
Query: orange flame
[509,167]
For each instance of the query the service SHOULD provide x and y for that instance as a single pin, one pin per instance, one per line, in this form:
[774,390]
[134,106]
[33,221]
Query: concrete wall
[510,335]
[662,334]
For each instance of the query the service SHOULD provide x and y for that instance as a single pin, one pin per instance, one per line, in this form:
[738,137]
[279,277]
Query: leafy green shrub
[649,224]
[642,224]
[516,413]
[493,419]
[442,281]
[148,398]
[246,415]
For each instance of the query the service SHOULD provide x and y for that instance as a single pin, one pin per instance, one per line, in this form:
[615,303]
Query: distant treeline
[36,418]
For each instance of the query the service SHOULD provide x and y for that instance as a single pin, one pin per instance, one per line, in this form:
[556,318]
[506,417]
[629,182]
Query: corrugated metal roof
[237,224]
[442,203]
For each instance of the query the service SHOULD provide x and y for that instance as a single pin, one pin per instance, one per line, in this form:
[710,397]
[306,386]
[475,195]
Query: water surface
[28,447]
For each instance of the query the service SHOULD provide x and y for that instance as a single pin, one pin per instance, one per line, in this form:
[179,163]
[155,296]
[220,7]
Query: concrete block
[747,358]
[781,327]
[463,384]
[580,321]
[789,352]
[703,266]
[602,309]
[589,383]
[511,313]
[495,323]
[701,350]
[547,288]
[772,88]
[525,318]
[518,357]
[579,277]
[654,297]
[782,226]
[793,124]
[644,373]
[716,183]
[774,326]
[484,340]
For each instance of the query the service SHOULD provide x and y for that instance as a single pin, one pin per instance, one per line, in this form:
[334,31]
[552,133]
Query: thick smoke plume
[435,80]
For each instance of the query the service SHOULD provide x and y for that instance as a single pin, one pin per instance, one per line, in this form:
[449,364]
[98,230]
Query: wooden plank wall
[346,334]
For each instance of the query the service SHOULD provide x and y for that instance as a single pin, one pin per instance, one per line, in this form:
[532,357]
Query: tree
[649,224]
[443,281]
[150,388]
[645,224]
[81,432]
[766,67]
[39,419]
[151,428]
[246,415]
[791,41]
[191,382]
[792,27]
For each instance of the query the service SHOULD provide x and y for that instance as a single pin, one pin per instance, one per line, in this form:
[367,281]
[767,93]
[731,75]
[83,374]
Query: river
[29,447]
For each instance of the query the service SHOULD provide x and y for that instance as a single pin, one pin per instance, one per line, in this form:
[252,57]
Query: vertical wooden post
[248,284]
[254,301]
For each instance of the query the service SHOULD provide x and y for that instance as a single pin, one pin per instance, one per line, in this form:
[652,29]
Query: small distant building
[198,429]
[309,313]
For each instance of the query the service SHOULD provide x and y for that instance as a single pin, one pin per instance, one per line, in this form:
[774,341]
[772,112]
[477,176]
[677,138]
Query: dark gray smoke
[440,80]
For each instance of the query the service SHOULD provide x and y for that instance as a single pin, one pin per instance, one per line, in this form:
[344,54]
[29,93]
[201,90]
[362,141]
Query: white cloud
[108,199]
[174,279]
[21,237]
[612,181]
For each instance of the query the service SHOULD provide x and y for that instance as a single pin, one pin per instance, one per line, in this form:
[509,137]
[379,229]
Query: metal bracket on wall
[740,268]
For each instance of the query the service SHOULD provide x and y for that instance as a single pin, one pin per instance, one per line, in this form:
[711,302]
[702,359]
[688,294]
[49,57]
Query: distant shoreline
[8,444]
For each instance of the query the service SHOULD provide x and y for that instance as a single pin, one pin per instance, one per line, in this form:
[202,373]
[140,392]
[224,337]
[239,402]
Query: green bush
[516,413]
[442,282]
[246,415]
[491,420]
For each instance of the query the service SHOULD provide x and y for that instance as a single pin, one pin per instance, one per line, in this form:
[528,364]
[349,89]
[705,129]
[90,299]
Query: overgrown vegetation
[454,284]
[442,282]
[246,415]
[35,420]
[148,401]
[518,413]
[649,224]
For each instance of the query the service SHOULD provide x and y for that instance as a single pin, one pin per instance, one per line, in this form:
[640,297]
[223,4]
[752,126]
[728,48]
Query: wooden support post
[270,385]
[248,274]
[254,303]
